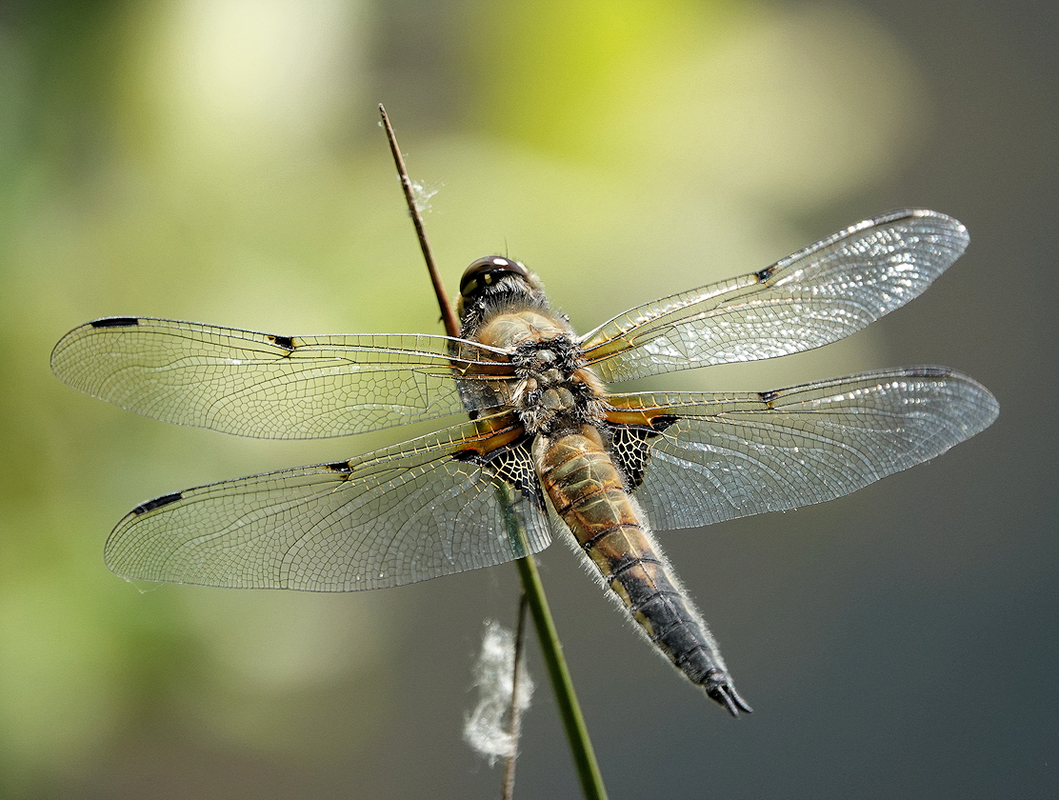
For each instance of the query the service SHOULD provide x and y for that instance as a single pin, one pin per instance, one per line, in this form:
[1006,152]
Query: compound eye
[487,271]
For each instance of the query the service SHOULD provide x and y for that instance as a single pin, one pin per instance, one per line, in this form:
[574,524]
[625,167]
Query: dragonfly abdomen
[587,491]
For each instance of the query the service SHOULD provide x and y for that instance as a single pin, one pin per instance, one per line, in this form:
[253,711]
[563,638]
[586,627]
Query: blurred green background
[220,161]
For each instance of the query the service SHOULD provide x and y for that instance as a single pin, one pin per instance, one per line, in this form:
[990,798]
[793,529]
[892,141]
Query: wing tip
[954,230]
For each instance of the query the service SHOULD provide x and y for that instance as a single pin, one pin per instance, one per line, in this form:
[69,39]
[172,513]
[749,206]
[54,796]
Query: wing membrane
[816,296]
[395,516]
[263,385]
[732,455]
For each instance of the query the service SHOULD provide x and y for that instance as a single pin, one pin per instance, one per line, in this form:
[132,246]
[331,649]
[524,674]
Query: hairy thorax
[555,392]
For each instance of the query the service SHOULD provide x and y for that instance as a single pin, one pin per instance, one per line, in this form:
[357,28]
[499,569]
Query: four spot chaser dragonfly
[540,436]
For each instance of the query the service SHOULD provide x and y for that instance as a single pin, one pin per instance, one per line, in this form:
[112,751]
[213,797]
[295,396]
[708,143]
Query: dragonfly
[533,434]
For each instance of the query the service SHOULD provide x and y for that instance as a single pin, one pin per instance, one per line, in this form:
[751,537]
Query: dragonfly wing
[398,515]
[263,385]
[712,457]
[816,296]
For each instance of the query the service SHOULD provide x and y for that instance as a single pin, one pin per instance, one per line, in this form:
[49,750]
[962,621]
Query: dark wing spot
[768,398]
[765,274]
[286,342]
[468,457]
[663,421]
[158,502]
[115,322]
[512,463]
[929,372]
[629,450]
[341,467]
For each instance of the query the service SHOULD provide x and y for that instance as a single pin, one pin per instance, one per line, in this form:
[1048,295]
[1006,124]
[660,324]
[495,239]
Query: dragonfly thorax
[555,392]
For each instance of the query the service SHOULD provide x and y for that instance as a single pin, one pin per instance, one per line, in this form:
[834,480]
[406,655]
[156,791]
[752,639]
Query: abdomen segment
[587,492]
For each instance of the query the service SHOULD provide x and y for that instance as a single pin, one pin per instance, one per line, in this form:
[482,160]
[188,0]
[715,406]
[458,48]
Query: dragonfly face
[538,428]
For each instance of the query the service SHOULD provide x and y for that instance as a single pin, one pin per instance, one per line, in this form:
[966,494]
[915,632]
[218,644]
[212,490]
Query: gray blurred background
[220,161]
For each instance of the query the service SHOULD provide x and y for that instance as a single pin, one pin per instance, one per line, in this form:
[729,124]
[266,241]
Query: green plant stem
[552,651]
[514,711]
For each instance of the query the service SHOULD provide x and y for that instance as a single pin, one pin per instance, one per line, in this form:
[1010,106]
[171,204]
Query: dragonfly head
[492,282]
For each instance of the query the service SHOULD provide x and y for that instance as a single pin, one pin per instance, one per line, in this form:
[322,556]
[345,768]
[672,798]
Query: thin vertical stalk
[551,649]
[448,316]
[507,781]
[563,686]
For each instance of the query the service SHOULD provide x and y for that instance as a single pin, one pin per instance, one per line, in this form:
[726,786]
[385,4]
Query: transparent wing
[398,515]
[264,385]
[816,296]
[721,456]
